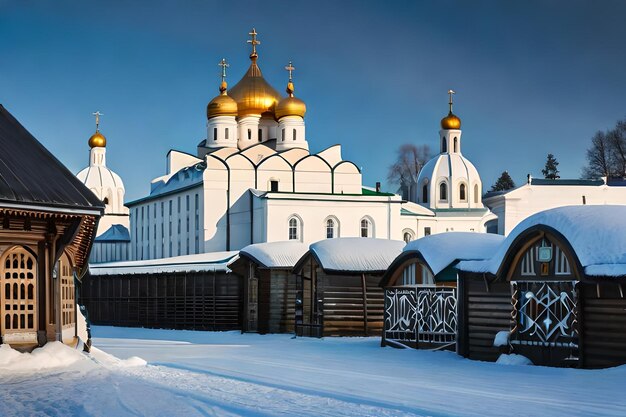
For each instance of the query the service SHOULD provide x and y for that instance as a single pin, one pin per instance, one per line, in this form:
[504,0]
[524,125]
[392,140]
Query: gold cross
[97,114]
[253,41]
[450,93]
[290,68]
[224,65]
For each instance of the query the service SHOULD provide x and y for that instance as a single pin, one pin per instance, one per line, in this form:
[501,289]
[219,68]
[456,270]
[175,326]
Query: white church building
[254,179]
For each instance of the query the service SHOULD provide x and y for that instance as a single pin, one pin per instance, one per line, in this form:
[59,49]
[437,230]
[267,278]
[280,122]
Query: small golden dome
[290,106]
[97,140]
[450,122]
[222,105]
[253,94]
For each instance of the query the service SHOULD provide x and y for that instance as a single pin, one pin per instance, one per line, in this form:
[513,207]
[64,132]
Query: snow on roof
[356,254]
[442,249]
[597,235]
[276,254]
[214,261]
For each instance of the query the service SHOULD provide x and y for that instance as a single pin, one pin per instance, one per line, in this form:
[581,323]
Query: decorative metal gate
[545,313]
[420,315]
[400,323]
[436,315]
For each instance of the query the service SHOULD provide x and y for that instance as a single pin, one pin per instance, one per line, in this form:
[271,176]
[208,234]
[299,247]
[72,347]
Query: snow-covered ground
[224,374]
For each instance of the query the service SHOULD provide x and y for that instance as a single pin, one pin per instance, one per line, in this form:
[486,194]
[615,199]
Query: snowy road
[203,373]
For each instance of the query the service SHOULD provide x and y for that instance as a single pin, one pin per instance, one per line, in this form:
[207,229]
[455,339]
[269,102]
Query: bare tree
[599,162]
[607,155]
[404,172]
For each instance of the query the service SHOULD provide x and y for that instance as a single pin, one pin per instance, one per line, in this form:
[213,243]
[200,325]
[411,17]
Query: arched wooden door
[65,273]
[18,306]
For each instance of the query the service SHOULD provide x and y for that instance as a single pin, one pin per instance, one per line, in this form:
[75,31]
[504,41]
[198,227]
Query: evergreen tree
[505,182]
[550,172]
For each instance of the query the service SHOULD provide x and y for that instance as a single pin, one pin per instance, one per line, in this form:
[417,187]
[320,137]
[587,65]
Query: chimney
[378,186]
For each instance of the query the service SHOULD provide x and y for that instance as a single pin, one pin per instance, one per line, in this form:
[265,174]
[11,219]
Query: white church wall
[347,179]
[313,175]
[177,160]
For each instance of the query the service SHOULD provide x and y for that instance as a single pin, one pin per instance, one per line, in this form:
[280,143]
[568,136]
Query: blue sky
[531,77]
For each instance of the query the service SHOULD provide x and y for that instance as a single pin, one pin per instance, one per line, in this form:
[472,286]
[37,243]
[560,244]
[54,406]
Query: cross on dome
[290,68]
[254,42]
[97,114]
[224,65]
[450,93]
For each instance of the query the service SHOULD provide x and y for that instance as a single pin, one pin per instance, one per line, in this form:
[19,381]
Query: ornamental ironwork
[421,315]
[401,314]
[437,315]
[545,313]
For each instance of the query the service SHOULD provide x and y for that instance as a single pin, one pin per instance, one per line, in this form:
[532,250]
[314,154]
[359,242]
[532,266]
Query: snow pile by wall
[501,339]
[513,359]
[51,355]
[596,233]
[276,254]
[356,254]
[442,249]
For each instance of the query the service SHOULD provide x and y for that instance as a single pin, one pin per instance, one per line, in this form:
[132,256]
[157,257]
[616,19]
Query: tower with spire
[449,180]
[109,188]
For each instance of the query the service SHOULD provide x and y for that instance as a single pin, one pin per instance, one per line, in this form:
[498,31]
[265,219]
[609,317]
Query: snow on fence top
[597,235]
[276,254]
[442,249]
[214,261]
[356,254]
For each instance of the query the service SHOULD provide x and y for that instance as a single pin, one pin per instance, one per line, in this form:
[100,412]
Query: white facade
[537,195]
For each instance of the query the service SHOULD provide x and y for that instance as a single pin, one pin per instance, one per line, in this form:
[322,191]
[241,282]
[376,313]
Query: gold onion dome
[451,121]
[290,106]
[97,140]
[222,105]
[254,95]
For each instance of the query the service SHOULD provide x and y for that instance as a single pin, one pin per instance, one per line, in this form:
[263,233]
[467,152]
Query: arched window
[476,193]
[462,192]
[294,228]
[330,229]
[19,307]
[294,134]
[366,228]
[443,192]
[249,134]
[106,200]
[407,237]
[444,146]
[214,133]
[425,193]
[456,145]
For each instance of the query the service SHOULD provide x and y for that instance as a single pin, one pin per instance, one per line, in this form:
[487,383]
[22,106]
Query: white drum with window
[18,281]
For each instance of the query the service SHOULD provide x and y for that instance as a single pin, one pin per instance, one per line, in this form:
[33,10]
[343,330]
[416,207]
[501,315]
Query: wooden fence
[181,300]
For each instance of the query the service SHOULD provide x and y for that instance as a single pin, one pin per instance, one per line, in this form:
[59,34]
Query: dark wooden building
[555,289]
[269,286]
[196,292]
[337,283]
[48,219]
[421,289]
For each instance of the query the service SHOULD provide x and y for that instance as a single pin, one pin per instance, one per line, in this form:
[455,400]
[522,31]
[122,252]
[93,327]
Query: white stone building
[537,195]
[112,237]
[253,179]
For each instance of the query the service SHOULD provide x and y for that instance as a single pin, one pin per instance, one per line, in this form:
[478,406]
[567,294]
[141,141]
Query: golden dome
[253,94]
[222,105]
[290,106]
[451,121]
[97,140]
